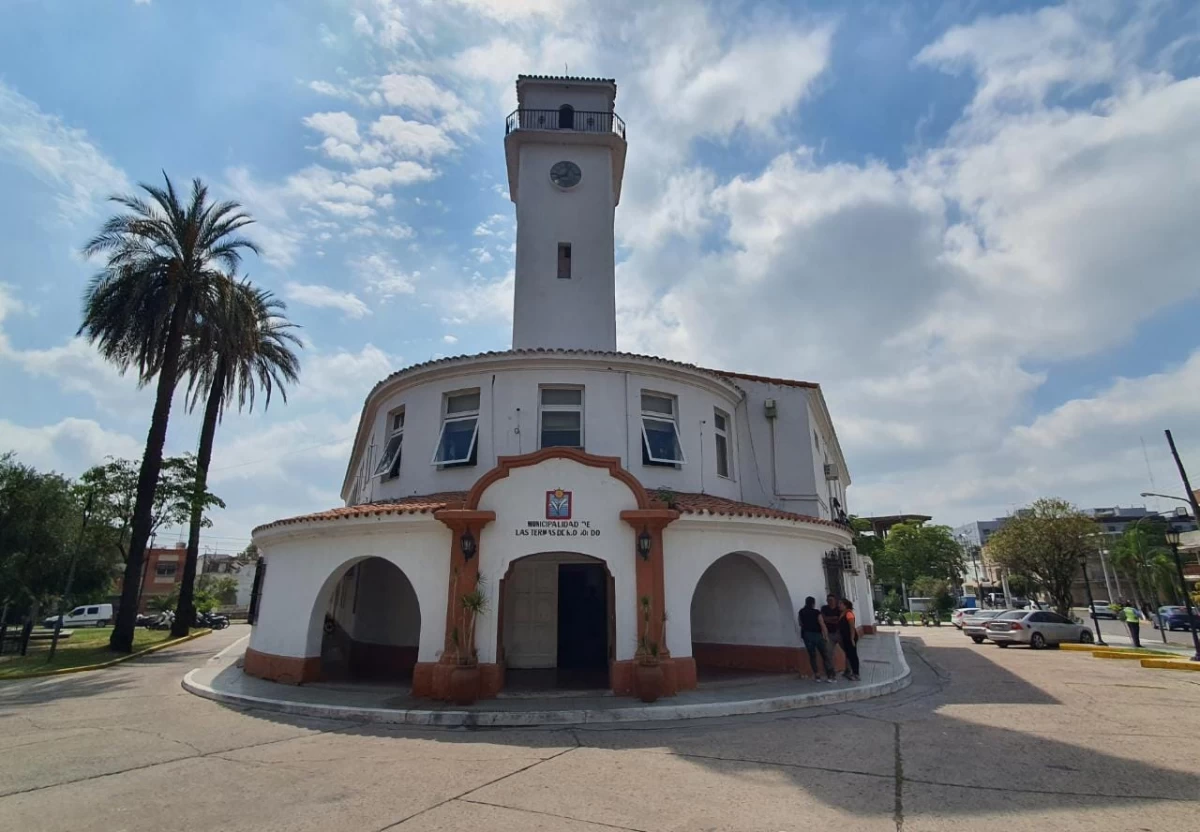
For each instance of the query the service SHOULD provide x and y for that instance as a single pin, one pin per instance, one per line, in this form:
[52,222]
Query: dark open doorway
[582,619]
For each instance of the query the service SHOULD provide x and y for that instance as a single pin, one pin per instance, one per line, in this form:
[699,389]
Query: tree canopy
[1049,541]
[913,551]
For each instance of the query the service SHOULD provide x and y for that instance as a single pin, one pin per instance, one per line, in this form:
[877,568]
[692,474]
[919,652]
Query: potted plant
[648,672]
[464,679]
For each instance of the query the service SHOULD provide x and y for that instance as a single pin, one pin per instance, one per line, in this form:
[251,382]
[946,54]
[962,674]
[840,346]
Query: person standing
[1130,613]
[816,639]
[831,613]
[848,635]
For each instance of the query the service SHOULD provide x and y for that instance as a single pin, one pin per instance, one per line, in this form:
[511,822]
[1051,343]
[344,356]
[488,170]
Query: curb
[1172,664]
[1113,652]
[62,671]
[578,716]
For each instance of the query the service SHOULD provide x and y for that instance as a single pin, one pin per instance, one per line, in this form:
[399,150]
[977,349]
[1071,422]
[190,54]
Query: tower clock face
[565,174]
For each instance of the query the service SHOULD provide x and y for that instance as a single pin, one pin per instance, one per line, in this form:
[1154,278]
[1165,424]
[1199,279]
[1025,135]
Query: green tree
[244,345]
[248,555]
[42,540]
[913,551]
[864,540]
[163,263]
[1141,556]
[112,487]
[938,590]
[1048,542]
[221,588]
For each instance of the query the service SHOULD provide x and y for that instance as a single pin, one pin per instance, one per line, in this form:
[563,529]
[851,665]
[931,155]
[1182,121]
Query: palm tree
[162,266]
[244,344]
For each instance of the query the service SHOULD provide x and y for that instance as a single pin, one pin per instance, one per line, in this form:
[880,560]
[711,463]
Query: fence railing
[581,121]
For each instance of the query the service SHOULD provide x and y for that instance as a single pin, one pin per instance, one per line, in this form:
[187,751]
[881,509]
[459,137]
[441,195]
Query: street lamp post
[1173,541]
[1087,584]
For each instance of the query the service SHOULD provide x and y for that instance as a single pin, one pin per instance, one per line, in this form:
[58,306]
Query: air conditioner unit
[831,471]
[847,556]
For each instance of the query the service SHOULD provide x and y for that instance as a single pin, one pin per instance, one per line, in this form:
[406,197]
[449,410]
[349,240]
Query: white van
[91,615]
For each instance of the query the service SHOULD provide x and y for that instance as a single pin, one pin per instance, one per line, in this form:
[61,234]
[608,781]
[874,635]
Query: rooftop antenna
[566,69]
[1149,470]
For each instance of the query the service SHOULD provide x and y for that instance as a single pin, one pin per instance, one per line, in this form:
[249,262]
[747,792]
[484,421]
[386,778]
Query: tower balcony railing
[580,121]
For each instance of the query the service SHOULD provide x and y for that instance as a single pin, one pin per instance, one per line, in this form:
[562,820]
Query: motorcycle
[162,621]
[212,620]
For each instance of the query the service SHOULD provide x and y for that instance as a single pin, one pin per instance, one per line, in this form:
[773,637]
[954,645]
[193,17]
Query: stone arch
[741,616]
[365,622]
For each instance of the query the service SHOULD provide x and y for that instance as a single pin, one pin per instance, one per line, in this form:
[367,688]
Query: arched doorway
[556,622]
[370,623]
[566,117]
[742,618]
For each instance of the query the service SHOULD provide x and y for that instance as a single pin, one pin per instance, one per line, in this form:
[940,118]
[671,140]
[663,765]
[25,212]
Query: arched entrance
[370,623]
[742,617]
[557,622]
[566,117]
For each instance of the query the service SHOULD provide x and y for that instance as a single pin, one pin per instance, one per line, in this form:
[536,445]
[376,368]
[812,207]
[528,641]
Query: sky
[973,223]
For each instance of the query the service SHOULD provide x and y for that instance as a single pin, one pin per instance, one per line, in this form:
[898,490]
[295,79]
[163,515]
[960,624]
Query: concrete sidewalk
[884,671]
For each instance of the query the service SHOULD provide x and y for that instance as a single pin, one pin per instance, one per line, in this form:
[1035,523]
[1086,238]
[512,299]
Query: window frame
[459,416]
[565,252]
[648,457]
[389,464]
[725,433]
[560,408]
[161,565]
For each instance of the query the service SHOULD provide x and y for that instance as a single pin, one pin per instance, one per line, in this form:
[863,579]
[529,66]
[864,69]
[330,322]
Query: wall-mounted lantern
[644,544]
[467,544]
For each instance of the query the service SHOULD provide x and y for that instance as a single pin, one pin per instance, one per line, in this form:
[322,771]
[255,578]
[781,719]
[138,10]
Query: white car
[89,615]
[959,614]
[974,626]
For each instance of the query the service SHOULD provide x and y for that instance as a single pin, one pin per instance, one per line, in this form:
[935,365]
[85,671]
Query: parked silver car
[1037,628]
[974,625]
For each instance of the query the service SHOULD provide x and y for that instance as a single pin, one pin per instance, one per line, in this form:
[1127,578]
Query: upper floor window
[389,463]
[721,431]
[561,415]
[566,117]
[460,429]
[166,570]
[660,430]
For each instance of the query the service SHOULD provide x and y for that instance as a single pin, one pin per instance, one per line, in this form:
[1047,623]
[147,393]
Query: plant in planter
[464,680]
[648,673]
[666,496]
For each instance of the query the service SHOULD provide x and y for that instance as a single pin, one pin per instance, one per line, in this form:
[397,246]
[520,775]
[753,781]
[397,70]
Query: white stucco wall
[509,398]
[304,565]
[694,543]
[551,96]
[736,602]
[580,312]
[598,500]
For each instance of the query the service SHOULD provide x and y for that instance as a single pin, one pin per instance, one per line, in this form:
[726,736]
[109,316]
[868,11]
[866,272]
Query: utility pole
[1173,540]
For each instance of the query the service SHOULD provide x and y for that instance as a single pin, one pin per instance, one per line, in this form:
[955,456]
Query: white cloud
[478,300]
[325,375]
[494,225]
[383,276]
[9,305]
[69,446]
[400,173]
[62,157]
[339,125]
[383,21]
[424,97]
[450,339]
[411,138]
[326,297]
[509,11]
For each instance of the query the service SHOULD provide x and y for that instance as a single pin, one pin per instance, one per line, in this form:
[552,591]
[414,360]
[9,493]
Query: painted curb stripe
[62,671]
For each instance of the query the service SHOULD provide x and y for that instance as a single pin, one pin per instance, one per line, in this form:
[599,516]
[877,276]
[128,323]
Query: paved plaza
[982,739]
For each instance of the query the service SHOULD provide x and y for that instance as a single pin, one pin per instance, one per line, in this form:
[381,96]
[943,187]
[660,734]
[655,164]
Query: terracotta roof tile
[405,505]
[708,504]
[686,503]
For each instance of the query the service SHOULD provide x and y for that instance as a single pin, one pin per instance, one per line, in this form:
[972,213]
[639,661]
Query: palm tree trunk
[185,613]
[122,634]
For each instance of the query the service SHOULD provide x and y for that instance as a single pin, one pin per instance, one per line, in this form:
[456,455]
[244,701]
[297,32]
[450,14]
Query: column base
[288,670]
[432,680]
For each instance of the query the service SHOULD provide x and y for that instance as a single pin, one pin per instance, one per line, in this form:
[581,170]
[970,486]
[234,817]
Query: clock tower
[565,149]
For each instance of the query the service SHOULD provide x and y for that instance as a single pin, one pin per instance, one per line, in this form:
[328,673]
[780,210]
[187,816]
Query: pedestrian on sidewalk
[848,635]
[1129,611]
[816,640]
[831,614]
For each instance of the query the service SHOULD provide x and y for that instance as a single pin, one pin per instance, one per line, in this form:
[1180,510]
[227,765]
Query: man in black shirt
[816,639]
[831,613]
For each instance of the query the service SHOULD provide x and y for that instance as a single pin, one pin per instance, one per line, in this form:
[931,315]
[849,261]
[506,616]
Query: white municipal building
[588,487]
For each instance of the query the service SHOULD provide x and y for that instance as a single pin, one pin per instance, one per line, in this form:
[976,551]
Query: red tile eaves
[686,503]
